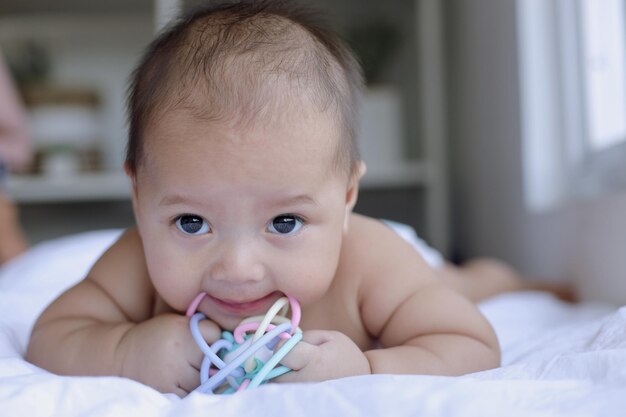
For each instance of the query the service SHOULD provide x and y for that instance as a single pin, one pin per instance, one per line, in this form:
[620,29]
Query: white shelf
[110,186]
[86,187]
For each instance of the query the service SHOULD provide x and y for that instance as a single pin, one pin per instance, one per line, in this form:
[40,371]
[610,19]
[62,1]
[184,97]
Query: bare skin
[12,239]
[15,141]
[16,154]
[247,216]
[482,278]
[114,322]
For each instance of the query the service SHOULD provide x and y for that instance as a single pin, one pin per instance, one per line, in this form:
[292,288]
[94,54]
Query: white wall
[484,129]
[584,241]
[599,253]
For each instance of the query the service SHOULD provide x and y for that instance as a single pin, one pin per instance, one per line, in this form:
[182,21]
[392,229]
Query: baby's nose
[238,262]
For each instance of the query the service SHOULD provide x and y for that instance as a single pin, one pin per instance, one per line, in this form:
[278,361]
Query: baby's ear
[133,183]
[128,171]
[352,193]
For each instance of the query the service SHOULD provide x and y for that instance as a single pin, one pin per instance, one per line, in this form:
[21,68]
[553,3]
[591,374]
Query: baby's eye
[285,224]
[190,224]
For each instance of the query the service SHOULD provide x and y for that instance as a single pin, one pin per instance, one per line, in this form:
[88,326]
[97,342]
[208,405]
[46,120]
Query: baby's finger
[313,337]
[189,379]
[317,337]
[210,331]
[302,353]
[304,357]
[299,356]
[180,392]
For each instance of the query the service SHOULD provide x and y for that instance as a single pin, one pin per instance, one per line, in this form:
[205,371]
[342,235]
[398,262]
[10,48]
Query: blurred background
[494,127]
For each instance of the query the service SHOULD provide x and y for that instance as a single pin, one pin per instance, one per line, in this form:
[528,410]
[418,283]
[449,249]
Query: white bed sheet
[558,360]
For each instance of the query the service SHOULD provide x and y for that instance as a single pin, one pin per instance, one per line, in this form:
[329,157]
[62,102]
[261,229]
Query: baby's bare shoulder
[116,289]
[373,247]
[124,256]
[121,272]
[389,270]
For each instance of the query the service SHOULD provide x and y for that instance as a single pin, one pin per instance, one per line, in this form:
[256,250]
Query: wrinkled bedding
[558,360]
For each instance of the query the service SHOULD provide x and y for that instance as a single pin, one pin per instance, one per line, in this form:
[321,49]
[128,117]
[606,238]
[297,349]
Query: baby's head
[243,157]
[242,64]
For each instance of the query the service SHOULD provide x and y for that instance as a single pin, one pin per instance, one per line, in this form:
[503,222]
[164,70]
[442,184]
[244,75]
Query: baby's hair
[238,62]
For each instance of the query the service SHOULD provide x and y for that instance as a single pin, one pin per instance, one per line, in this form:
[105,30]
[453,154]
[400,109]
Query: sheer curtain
[573,98]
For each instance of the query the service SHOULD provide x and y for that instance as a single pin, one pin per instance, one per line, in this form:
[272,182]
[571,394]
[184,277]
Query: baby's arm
[423,326]
[104,326]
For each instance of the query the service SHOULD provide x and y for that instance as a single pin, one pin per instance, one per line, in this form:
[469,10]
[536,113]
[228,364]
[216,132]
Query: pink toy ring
[195,303]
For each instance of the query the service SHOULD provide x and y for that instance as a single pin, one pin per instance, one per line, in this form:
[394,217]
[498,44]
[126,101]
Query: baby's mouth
[246,307]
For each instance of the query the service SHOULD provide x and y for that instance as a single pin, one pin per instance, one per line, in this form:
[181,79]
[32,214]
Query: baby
[244,173]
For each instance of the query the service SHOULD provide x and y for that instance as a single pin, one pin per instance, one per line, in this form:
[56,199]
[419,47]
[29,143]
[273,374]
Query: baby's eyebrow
[298,199]
[170,200]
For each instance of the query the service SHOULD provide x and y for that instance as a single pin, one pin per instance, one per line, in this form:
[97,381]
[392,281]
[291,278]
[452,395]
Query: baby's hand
[161,353]
[323,355]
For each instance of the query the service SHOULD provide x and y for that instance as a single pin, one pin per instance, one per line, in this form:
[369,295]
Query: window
[604,69]
[572,56]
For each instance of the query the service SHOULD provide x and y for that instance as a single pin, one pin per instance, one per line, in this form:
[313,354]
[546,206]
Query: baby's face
[244,216]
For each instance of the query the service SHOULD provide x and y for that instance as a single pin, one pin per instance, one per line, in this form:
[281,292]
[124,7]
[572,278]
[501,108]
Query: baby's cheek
[173,281]
[322,266]
[312,281]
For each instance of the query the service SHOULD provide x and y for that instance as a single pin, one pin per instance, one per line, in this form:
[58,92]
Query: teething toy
[241,361]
